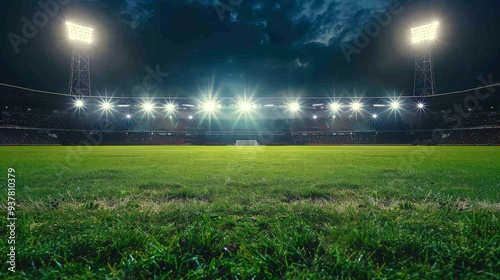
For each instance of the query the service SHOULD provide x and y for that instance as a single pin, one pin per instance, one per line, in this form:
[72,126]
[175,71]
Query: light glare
[335,106]
[148,106]
[170,107]
[106,105]
[79,103]
[424,33]
[356,106]
[209,106]
[79,33]
[245,106]
[294,107]
[395,105]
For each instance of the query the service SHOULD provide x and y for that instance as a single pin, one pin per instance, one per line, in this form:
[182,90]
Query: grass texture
[177,212]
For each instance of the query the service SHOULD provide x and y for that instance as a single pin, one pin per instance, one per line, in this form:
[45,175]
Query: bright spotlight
[420,105]
[148,106]
[424,33]
[245,106]
[374,116]
[315,117]
[106,105]
[79,103]
[170,107]
[395,105]
[335,106]
[294,107]
[79,33]
[190,117]
[356,106]
[209,106]
[128,116]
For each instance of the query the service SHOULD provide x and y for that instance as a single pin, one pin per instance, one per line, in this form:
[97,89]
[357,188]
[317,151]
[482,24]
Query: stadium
[228,183]
[69,120]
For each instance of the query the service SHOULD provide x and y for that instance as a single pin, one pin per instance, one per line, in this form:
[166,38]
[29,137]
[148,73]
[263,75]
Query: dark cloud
[127,18]
[277,46]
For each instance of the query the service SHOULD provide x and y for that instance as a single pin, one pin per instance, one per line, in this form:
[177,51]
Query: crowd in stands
[451,120]
[17,128]
[26,137]
[30,120]
[10,136]
[473,136]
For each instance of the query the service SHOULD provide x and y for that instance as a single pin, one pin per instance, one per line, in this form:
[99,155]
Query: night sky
[264,48]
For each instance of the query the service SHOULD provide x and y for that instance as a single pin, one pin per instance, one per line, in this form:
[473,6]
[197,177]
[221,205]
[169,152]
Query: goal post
[247,143]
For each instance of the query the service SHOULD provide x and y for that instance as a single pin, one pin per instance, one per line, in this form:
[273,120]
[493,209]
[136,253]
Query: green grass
[254,212]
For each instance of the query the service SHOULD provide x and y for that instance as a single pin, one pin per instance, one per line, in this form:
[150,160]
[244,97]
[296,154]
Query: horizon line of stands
[426,122]
[11,136]
[32,129]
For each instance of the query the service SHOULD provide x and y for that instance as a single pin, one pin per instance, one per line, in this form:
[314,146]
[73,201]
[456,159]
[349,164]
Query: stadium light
[294,106]
[245,106]
[424,83]
[79,103]
[170,107]
[315,117]
[374,116]
[148,106]
[128,116]
[425,33]
[79,33]
[210,106]
[335,106]
[81,38]
[395,105]
[106,106]
[420,105]
[190,117]
[356,106]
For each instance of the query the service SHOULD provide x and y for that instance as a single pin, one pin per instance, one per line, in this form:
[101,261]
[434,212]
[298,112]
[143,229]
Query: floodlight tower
[79,79]
[422,38]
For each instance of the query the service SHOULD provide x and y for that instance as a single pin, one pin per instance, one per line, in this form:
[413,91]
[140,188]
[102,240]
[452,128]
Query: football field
[252,212]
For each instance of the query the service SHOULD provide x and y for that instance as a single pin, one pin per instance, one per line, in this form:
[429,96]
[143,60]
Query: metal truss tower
[79,79]
[423,38]
[424,83]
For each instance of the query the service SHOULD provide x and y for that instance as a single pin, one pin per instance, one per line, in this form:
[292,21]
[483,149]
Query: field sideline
[263,212]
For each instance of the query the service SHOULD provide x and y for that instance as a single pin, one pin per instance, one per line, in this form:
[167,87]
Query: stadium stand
[43,119]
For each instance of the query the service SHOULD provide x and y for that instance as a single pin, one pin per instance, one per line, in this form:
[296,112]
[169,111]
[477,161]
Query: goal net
[246,143]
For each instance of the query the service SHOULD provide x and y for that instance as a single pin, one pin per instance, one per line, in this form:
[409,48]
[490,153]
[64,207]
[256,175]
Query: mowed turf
[254,212]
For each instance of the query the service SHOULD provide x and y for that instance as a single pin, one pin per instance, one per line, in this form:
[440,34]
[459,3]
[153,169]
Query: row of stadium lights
[84,34]
[247,107]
